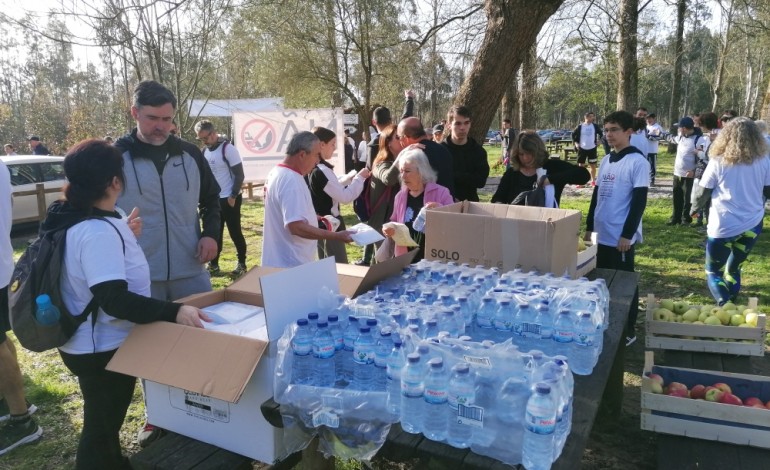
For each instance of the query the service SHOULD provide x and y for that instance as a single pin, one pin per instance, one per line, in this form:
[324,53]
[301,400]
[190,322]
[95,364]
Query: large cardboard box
[208,385]
[504,236]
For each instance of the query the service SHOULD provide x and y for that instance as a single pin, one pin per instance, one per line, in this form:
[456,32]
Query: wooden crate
[709,338]
[704,419]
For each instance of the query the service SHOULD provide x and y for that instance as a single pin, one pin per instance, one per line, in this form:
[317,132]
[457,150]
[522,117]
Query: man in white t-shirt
[618,202]
[684,171]
[291,226]
[654,134]
[586,138]
[226,165]
[16,425]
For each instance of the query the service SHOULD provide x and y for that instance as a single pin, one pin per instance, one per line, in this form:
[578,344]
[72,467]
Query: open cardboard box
[505,236]
[209,385]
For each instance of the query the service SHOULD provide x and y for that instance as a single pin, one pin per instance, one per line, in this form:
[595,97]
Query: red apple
[656,378]
[751,401]
[677,389]
[758,406]
[730,399]
[698,392]
[724,387]
[713,394]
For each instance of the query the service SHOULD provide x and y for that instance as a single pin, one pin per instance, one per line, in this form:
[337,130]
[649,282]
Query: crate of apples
[718,392]
[727,329]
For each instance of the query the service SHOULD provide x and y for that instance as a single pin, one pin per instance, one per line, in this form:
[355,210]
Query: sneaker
[362,262]
[630,340]
[213,269]
[5,413]
[148,434]
[14,433]
[240,270]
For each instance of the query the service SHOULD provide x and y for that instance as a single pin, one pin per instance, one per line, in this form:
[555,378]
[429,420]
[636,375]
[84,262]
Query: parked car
[493,137]
[26,171]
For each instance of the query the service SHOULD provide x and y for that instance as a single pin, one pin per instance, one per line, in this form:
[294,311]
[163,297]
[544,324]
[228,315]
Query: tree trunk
[764,113]
[512,26]
[509,107]
[628,66]
[725,45]
[673,112]
[528,89]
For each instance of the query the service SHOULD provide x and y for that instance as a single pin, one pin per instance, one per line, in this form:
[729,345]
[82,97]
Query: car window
[52,171]
[23,173]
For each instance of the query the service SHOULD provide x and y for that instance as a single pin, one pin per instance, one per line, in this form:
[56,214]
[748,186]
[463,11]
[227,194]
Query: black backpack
[37,272]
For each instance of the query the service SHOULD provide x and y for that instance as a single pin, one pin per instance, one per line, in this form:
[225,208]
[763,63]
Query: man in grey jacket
[171,184]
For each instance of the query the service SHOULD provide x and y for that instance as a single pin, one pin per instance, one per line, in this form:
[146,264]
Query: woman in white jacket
[328,192]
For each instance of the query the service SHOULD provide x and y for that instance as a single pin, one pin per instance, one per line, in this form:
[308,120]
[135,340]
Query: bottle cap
[436,362]
[371,322]
[352,319]
[312,316]
[413,358]
[43,300]
[461,368]
[364,329]
[543,388]
[302,322]
[322,324]
[333,318]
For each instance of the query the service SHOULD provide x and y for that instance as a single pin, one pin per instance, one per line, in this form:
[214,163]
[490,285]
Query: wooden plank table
[599,394]
[679,452]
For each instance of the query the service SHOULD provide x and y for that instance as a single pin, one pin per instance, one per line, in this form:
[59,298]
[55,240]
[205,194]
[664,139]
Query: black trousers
[681,196]
[231,217]
[106,397]
[608,257]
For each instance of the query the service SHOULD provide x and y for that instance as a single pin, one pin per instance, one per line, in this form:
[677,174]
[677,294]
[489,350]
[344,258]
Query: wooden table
[682,453]
[599,394]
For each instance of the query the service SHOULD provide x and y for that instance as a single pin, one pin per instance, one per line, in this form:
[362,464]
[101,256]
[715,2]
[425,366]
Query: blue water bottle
[323,355]
[539,428]
[461,393]
[363,361]
[584,354]
[47,314]
[412,388]
[302,347]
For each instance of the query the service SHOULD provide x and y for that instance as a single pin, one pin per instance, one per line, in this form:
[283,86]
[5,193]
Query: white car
[26,172]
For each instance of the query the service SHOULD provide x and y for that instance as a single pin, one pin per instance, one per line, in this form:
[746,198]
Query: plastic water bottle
[544,320]
[563,333]
[484,318]
[510,415]
[349,337]
[382,351]
[485,394]
[467,312]
[503,320]
[539,428]
[419,222]
[312,319]
[530,329]
[412,388]
[339,346]
[302,347]
[47,314]
[436,413]
[431,328]
[461,393]
[584,355]
[396,363]
[363,361]
[323,354]
[564,427]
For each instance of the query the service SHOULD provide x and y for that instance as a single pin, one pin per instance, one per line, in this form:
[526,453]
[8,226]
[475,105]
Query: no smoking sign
[258,136]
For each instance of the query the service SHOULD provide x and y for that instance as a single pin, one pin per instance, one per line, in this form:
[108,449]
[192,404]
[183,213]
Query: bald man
[411,131]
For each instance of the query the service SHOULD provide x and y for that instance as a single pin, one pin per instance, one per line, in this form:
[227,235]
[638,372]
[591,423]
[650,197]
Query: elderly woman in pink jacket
[418,190]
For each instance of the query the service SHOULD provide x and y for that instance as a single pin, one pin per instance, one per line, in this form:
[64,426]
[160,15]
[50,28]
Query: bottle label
[323,351]
[518,328]
[470,415]
[531,330]
[461,398]
[478,361]
[326,417]
[584,339]
[563,336]
[363,355]
[339,343]
[540,424]
[546,332]
[301,347]
[436,396]
[411,389]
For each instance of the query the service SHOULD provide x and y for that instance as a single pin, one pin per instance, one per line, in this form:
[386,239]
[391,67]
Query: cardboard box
[504,236]
[208,385]
[704,338]
[704,419]
[586,259]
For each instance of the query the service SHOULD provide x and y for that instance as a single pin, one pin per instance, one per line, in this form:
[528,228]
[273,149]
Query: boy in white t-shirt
[618,202]
[654,134]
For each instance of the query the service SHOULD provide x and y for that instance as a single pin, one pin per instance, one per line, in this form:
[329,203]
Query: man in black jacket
[469,159]
[411,131]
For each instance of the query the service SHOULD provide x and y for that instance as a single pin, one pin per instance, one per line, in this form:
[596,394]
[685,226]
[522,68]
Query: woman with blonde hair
[735,181]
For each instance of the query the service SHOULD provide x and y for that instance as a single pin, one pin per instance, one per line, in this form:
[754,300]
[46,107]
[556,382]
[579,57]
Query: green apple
[736,319]
[698,322]
[691,315]
[715,310]
[662,314]
[706,308]
[751,318]
[668,304]
[729,306]
[724,317]
[745,325]
[680,306]
[703,316]
[713,320]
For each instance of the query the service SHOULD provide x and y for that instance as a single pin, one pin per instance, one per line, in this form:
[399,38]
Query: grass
[670,262]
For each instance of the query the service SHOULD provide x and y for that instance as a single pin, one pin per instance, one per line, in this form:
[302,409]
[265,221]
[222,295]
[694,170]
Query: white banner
[262,137]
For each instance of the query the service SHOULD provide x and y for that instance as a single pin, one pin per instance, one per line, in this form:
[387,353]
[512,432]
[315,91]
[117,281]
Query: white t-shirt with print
[639,140]
[221,168]
[94,254]
[587,136]
[6,220]
[287,199]
[616,181]
[737,204]
[686,154]
[654,133]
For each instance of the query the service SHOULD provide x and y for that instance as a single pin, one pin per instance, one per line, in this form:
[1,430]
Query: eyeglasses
[612,129]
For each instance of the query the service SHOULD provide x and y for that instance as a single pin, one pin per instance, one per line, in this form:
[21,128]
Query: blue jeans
[724,258]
